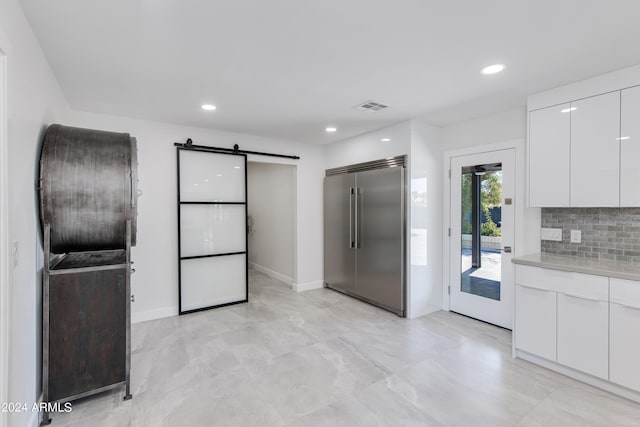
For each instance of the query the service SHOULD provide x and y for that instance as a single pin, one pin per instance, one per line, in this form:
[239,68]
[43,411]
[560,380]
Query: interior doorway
[482,218]
[271,195]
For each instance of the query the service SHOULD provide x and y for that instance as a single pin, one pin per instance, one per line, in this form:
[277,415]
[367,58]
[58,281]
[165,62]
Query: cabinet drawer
[625,292]
[573,284]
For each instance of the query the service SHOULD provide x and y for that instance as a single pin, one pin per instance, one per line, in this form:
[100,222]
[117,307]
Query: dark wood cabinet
[87,331]
[86,346]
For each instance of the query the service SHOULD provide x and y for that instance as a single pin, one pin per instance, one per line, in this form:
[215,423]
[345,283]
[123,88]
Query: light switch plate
[554,234]
[576,236]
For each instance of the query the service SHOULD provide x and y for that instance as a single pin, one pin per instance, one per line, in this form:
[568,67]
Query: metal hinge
[449,173]
[449,289]
[449,231]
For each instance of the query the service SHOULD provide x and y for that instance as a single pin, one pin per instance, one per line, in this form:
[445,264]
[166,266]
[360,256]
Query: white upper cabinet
[599,152]
[549,156]
[630,148]
[595,151]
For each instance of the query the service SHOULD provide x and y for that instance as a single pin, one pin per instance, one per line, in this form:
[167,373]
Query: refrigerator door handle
[351,239]
[357,219]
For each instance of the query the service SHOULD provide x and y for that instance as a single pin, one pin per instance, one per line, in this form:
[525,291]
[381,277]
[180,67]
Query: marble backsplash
[607,233]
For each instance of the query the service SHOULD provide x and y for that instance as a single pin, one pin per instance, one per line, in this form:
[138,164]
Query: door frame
[5,258]
[522,240]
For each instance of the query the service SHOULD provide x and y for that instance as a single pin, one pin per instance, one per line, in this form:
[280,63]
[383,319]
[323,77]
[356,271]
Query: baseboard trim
[580,376]
[158,313]
[426,310]
[301,287]
[274,274]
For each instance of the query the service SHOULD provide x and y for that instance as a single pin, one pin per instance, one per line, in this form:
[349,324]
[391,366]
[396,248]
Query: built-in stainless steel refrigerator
[364,232]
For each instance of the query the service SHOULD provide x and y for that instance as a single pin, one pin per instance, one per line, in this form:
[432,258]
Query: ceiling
[289,68]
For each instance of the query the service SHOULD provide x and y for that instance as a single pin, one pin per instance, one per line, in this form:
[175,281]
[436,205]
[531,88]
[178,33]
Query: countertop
[618,269]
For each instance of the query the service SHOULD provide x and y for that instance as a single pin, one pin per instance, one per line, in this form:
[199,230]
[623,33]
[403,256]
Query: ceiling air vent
[371,106]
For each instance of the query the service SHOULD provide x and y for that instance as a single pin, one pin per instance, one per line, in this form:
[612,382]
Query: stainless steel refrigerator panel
[380,233]
[339,233]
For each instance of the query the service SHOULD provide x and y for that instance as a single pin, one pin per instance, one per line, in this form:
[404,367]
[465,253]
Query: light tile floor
[320,358]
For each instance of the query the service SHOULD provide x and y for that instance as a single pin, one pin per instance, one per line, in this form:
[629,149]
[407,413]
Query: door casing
[527,220]
[5,258]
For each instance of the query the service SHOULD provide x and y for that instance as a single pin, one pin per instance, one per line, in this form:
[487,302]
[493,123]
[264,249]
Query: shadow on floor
[479,286]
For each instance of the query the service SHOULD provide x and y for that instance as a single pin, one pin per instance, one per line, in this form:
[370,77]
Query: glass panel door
[482,233]
[212,227]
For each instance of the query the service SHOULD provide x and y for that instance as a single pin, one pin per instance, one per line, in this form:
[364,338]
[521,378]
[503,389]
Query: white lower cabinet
[625,346]
[535,321]
[624,327]
[585,322]
[583,334]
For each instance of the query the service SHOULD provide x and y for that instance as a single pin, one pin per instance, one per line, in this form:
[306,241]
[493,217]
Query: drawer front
[573,284]
[626,292]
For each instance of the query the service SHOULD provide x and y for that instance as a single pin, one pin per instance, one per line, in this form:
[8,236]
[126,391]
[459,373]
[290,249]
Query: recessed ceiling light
[219,174]
[236,167]
[208,107]
[568,110]
[205,180]
[331,129]
[492,69]
[386,140]
[623,138]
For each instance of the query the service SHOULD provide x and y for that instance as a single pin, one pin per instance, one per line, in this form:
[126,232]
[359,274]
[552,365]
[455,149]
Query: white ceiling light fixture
[492,69]
[623,138]
[331,129]
[386,140]
[568,110]
[208,107]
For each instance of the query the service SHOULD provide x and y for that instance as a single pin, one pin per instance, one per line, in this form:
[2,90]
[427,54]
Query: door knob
[506,249]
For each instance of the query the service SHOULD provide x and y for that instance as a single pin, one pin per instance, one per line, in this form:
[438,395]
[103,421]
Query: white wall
[367,147]
[503,126]
[426,220]
[271,202]
[155,283]
[34,101]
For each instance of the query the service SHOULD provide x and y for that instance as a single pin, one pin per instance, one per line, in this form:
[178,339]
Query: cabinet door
[595,151]
[630,148]
[87,331]
[535,321]
[549,156]
[583,334]
[625,346]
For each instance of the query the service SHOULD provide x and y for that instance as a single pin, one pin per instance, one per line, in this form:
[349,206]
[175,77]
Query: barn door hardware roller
[235,150]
